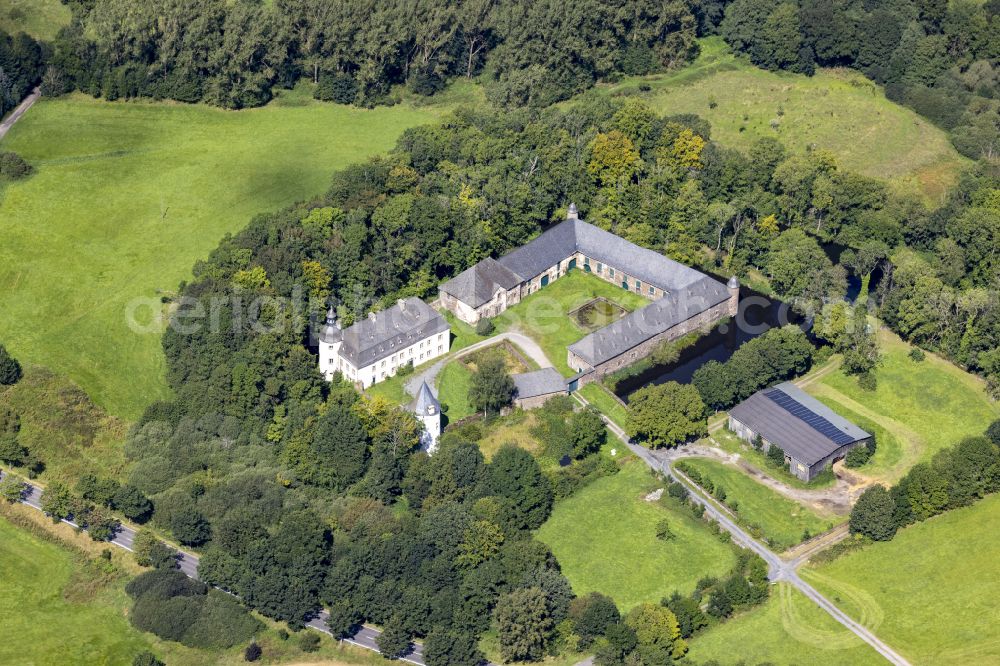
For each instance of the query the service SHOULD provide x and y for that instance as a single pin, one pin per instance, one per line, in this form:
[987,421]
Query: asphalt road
[16,114]
[188,563]
[778,569]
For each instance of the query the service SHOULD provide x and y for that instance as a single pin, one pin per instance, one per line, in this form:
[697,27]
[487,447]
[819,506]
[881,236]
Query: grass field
[930,592]
[41,19]
[453,390]
[54,611]
[128,195]
[837,110]
[543,314]
[925,406]
[605,539]
[599,397]
[781,520]
[788,630]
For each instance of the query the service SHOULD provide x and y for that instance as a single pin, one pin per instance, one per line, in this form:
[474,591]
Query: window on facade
[652,291]
[638,286]
[383,363]
[611,271]
[440,350]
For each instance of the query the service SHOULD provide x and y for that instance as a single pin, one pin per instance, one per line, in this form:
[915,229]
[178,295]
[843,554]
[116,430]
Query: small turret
[427,408]
[571,212]
[330,333]
[330,340]
[734,295]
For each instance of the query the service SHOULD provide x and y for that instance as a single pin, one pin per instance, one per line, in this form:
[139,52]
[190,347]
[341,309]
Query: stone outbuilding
[534,389]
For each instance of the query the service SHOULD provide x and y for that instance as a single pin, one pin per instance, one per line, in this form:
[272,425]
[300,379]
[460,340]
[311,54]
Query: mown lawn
[605,539]
[930,592]
[543,314]
[41,19]
[453,390]
[788,630]
[836,110]
[781,520]
[127,196]
[926,406]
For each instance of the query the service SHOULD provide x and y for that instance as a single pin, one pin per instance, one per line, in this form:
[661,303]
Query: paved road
[526,344]
[778,569]
[188,563]
[16,114]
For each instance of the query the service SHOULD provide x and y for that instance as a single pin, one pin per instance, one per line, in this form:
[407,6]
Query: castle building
[682,298]
[428,412]
[376,347]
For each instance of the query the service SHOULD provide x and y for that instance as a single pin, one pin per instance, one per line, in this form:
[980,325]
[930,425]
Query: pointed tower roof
[425,399]
[330,333]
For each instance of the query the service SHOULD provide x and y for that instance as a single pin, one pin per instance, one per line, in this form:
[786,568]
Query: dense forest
[22,62]
[938,57]
[233,54]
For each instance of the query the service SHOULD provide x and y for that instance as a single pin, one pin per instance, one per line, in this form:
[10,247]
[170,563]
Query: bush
[776,455]
[917,354]
[993,432]
[857,457]
[146,658]
[164,584]
[485,327]
[873,514]
[252,653]
[340,88]
[13,167]
[663,531]
[12,488]
[223,622]
[867,381]
[10,369]
[309,641]
[406,369]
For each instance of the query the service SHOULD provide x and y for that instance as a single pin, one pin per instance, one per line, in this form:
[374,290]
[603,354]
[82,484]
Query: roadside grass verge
[932,589]
[599,397]
[605,539]
[788,630]
[128,195]
[782,521]
[836,109]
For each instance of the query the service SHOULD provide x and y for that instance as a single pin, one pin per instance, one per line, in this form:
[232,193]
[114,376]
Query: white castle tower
[428,410]
[330,339]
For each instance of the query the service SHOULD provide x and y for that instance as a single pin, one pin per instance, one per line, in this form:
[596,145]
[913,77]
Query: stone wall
[536,401]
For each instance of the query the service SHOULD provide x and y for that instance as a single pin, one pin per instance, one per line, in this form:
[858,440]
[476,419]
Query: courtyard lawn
[836,109]
[926,406]
[128,195]
[605,539]
[781,520]
[453,390]
[788,630]
[930,592]
[544,314]
[41,19]
[56,609]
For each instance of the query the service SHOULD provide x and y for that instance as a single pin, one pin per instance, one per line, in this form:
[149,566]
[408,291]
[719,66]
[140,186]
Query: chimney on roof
[402,304]
[371,316]
[571,213]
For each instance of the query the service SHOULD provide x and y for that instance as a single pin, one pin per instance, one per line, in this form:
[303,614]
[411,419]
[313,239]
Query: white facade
[332,358]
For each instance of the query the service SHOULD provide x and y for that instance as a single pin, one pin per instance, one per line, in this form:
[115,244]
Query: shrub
[993,432]
[867,381]
[309,641]
[12,488]
[776,455]
[484,327]
[857,457]
[252,653]
[873,514]
[164,584]
[13,167]
[406,369]
[223,622]
[917,354]
[146,658]
[10,369]
[663,531]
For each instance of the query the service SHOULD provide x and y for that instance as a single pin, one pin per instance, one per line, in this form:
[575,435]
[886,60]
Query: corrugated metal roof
[795,436]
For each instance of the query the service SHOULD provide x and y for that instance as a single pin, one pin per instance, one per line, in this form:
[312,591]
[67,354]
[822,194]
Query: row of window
[611,273]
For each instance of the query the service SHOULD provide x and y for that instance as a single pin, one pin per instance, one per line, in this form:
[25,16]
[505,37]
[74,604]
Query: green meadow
[930,592]
[836,110]
[605,539]
[128,195]
[788,630]
[782,521]
[922,406]
[41,19]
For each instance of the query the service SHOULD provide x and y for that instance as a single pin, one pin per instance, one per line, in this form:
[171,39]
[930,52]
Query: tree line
[935,56]
[234,54]
[22,63]
[957,476]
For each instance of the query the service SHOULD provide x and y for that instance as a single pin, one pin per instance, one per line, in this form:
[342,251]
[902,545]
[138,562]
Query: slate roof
[799,436]
[477,285]
[330,333]
[639,326]
[371,339]
[425,398]
[539,382]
